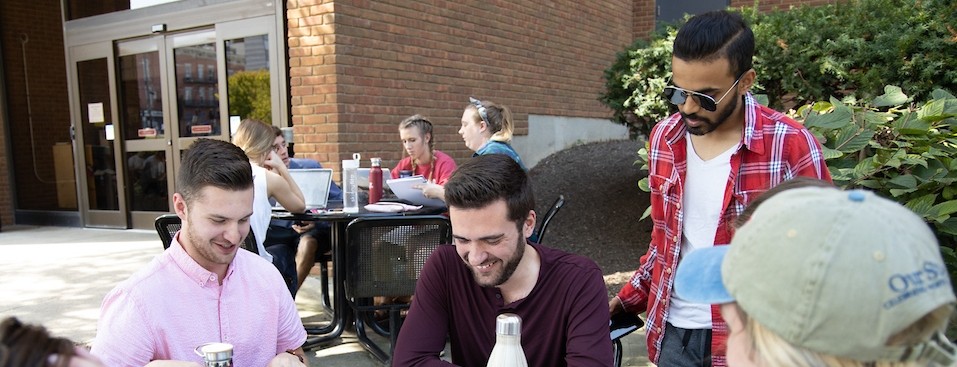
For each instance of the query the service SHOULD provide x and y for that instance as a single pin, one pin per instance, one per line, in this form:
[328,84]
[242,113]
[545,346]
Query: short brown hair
[214,163]
[482,180]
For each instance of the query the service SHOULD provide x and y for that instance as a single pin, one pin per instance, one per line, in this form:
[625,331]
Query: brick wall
[39,22]
[357,73]
[644,18]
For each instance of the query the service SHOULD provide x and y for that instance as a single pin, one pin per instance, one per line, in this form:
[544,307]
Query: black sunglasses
[678,96]
[481,109]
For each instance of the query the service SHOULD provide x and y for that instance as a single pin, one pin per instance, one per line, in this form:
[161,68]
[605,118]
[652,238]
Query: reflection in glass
[94,86]
[147,179]
[198,113]
[141,99]
[247,63]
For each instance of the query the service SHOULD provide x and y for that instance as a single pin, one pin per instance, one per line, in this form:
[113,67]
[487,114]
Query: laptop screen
[363,181]
[314,183]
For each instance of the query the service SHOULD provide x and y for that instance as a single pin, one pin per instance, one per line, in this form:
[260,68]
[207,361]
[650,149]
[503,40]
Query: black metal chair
[623,323]
[539,234]
[385,256]
[168,224]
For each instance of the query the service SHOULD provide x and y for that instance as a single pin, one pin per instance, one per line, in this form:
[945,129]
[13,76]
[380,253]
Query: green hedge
[808,54]
[901,150]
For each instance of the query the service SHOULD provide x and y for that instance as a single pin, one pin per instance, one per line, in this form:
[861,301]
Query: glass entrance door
[147,138]
[96,147]
[142,102]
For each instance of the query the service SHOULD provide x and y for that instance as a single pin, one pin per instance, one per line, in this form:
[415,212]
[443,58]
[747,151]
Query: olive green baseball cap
[836,272]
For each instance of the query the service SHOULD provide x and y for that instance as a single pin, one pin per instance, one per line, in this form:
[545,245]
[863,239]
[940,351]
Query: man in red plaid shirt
[706,163]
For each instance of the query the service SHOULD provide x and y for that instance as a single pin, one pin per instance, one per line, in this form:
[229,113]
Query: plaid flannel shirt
[773,148]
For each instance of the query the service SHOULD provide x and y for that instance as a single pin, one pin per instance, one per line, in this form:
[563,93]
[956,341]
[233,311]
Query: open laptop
[363,181]
[314,183]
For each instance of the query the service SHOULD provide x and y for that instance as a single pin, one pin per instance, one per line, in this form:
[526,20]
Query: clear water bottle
[350,184]
[508,350]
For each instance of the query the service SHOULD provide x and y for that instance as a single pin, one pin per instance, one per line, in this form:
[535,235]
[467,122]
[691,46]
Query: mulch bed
[602,205]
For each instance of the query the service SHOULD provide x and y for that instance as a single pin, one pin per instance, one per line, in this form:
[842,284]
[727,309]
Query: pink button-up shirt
[173,305]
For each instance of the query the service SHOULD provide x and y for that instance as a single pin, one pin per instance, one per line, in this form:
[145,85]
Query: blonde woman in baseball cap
[824,277]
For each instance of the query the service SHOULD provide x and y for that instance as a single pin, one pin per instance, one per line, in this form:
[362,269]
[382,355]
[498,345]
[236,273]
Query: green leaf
[905,181]
[646,214]
[895,159]
[852,139]
[941,94]
[841,175]
[922,205]
[762,99]
[840,117]
[938,109]
[946,208]
[874,118]
[830,153]
[898,192]
[914,160]
[643,185]
[865,168]
[893,96]
[910,124]
[948,226]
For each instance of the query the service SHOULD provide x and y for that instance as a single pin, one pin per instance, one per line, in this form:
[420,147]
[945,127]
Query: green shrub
[807,54]
[903,151]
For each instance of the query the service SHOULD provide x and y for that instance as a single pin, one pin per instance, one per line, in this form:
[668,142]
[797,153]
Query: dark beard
[509,268]
[710,125]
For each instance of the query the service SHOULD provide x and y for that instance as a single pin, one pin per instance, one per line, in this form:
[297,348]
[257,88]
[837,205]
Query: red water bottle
[375,181]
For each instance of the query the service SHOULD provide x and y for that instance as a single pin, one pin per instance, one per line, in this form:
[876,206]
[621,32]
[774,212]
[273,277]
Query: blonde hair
[255,138]
[425,127]
[499,120]
[769,349]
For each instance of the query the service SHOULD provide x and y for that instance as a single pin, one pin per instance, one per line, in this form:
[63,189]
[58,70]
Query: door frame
[100,34]
[95,217]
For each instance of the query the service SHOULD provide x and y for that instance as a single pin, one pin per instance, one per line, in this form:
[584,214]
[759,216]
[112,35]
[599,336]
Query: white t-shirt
[262,210]
[704,187]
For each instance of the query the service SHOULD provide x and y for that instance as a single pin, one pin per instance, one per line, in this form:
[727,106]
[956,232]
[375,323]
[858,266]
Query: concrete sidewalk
[57,277]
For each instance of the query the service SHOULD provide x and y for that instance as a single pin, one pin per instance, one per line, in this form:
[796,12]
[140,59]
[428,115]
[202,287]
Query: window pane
[147,175]
[141,100]
[247,62]
[198,112]
[94,87]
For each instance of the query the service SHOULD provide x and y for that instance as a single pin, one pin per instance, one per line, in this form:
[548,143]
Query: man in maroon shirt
[491,270]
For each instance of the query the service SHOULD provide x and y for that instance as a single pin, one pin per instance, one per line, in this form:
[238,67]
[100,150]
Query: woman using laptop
[423,160]
[271,178]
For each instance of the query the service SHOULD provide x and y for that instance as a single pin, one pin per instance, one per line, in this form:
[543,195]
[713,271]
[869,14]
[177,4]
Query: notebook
[402,188]
[314,183]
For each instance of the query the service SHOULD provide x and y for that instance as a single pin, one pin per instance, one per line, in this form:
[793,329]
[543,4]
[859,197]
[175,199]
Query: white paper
[95,112]
[109,132]
[402,188]
[234,122]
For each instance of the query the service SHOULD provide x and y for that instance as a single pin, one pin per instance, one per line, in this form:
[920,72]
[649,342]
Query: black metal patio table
[339,220]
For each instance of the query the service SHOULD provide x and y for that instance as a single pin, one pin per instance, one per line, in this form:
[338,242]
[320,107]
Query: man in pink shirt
[204,288]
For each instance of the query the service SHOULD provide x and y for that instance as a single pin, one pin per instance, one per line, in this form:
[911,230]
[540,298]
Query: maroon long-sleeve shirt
[564,317]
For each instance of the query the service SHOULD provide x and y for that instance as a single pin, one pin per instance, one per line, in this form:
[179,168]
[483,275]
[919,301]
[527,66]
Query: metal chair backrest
[168,224]
[539,234]
[386,254]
